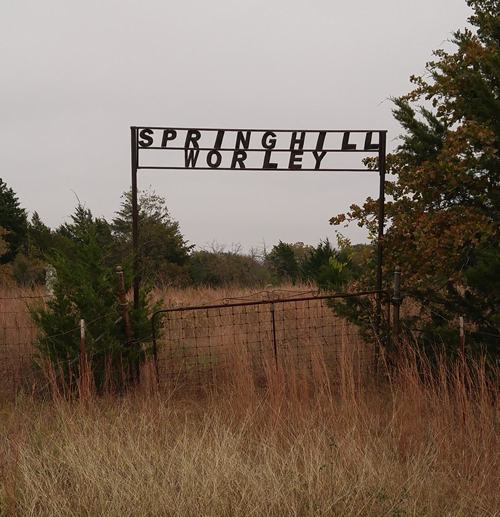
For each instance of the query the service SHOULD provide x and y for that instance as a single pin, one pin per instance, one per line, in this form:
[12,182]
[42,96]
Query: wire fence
[196,346]
[22,368]
[17,335]
[422,322]
[289,329]
[200,345]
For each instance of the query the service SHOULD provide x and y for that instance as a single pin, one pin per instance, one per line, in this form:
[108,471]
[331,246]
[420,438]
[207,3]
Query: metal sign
[252,149]
[173,148]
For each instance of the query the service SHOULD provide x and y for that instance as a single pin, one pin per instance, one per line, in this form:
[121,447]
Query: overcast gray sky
[76,74]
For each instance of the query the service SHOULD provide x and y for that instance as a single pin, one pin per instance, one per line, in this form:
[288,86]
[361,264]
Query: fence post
[82,341]
[84,380]
[462,335]
[275,345]
[396,302]
[122,297]
[155,347]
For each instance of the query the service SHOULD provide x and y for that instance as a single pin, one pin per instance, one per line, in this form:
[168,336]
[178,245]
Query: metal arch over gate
[312,150]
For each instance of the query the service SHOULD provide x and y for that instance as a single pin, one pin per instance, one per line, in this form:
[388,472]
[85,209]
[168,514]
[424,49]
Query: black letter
[346,146]
[269,143]
[239,158]
[192,137]
[319,158]
[368,142]
[218,140]
[321,140]
[147,138]
[218,159]
[191,157]
[168,134]
[267,163]
[295,160]
[243,140]
[297,140]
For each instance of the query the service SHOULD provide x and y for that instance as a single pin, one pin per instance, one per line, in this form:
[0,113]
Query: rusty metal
[266,302]
[135,216]
[381,221]
[275,343]
[396,302]
[191,329]
[122,300]
[462,335]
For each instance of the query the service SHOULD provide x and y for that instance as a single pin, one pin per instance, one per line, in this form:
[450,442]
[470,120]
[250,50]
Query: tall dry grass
[422,443]
[205,345]
[421,439]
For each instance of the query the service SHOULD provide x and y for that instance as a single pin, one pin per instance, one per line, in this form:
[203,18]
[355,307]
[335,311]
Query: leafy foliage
[325,266]
[445,196]
[217,268]
[163,249]
[86,288]
[13,220]
[283,262]
[329,268]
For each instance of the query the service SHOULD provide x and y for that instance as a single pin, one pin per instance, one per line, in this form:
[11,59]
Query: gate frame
[271,303]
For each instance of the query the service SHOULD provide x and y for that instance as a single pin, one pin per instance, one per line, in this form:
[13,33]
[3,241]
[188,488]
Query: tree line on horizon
[28,249]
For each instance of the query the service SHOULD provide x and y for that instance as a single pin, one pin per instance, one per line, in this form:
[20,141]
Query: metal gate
[205,344]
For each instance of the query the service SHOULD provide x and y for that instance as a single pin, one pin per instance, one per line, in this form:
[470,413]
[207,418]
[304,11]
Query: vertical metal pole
[135,217]
[122,300]
[396,301]
[275,345]
[155,347]
[462,335]
[83,353]
[381,215]
[84,378]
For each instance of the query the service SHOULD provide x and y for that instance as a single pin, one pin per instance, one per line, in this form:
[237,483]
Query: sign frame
[380,149]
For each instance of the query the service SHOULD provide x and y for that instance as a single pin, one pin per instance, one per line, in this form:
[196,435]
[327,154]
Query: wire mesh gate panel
[201,345]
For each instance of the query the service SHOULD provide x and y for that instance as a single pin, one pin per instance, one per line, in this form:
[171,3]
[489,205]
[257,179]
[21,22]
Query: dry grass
[221,334]
[415,443]
[407,448]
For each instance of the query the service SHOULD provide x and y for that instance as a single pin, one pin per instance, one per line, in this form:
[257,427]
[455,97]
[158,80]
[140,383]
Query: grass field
[402,443]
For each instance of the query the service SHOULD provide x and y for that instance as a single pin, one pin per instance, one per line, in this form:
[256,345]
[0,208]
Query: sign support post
[381,221]
[135,216]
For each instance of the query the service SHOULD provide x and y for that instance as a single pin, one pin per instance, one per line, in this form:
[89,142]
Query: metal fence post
[275,346]
[396,302]
[84,377]
[155,346]
[122,298]
[462,335]
[83,352]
